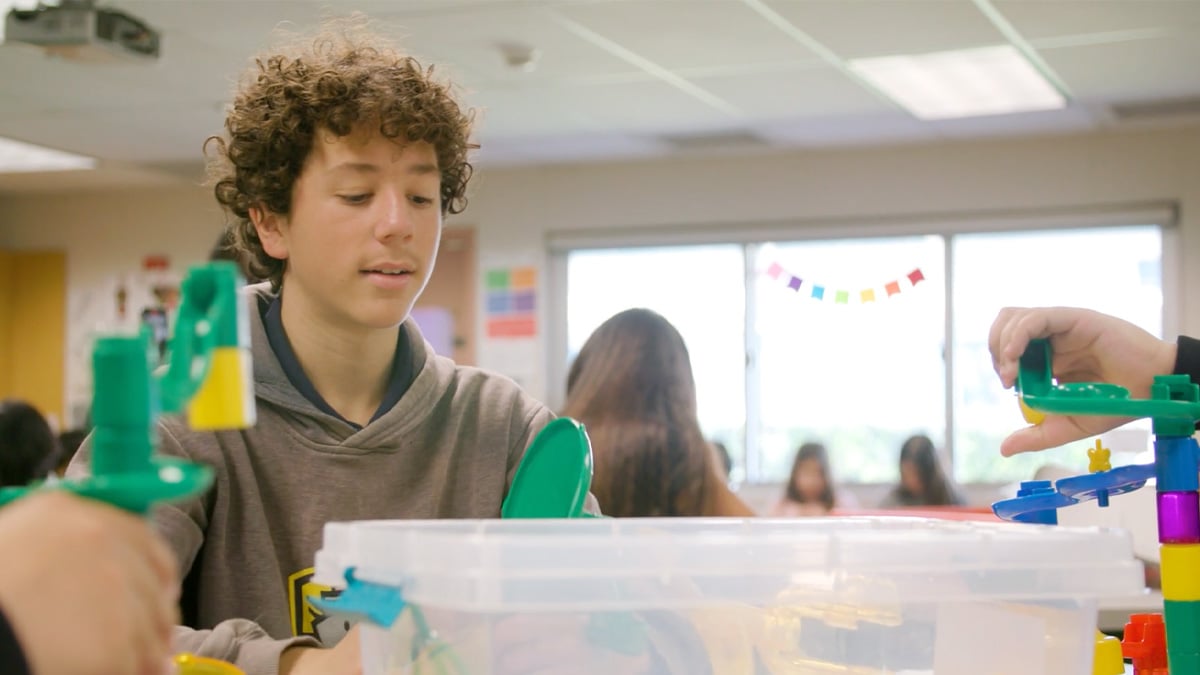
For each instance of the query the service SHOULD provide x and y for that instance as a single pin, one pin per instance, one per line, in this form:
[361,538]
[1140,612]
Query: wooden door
[446,310]
[33,310]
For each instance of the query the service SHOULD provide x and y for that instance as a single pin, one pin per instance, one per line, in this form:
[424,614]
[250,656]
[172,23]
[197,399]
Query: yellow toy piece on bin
[1108,659]
[190,664]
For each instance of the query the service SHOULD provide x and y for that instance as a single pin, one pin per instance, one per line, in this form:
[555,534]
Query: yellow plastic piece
[1098,458]
[189,664]
[1031,416]
[1179,578]
[1108,659]
[226,398]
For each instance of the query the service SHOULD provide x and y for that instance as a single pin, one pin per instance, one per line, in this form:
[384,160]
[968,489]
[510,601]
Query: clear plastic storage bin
[732,597]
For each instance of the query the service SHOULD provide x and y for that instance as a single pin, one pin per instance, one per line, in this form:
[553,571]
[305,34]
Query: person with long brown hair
[923,482]
[631,386]
[809,491]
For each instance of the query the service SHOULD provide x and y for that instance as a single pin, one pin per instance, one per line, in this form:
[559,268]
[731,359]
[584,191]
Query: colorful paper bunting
[840,296]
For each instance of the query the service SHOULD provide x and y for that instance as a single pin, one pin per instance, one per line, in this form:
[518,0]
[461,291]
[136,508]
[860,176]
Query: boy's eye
[421,201]
[356,198]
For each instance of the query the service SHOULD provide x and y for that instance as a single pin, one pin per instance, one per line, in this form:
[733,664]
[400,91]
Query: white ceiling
[616,78]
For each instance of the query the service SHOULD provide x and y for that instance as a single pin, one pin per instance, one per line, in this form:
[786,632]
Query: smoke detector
[519,56]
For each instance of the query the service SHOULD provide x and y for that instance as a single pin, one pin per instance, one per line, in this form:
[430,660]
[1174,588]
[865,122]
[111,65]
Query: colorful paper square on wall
[511,302]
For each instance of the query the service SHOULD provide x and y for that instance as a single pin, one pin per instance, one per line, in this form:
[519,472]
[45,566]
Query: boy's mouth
[389,276]
[391,269]
[390,273]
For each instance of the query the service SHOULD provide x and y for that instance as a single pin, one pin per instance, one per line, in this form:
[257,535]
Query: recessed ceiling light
[961,83]
[18,157]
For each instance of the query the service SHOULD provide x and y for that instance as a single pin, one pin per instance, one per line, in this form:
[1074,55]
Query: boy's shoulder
[474,387]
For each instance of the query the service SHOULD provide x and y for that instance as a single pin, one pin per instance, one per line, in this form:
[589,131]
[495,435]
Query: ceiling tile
[527,111]
[1036,20]
[216,17]
[1144,70]
[471,41]
[1071,119]
[883,27]
[649,107]
[145,134]
[695,35]
[543,149]
[879,128]
[188,72]
[803,93]
[584,100]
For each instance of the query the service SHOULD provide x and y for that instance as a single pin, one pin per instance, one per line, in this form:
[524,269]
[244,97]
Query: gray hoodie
[447,449]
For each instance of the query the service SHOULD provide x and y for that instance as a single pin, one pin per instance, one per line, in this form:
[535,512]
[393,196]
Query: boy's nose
[395,219]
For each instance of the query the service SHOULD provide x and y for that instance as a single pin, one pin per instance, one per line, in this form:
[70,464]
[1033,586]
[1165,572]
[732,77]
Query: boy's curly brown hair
[342,78]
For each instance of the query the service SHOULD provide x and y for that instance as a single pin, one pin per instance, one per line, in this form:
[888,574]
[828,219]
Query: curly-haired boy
[341,156]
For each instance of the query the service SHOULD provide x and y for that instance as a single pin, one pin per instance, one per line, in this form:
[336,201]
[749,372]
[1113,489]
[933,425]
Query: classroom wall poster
[510,309]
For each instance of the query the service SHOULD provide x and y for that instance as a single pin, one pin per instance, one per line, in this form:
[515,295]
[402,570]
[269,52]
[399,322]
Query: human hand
[87,588]
[1088,347]
[344,658]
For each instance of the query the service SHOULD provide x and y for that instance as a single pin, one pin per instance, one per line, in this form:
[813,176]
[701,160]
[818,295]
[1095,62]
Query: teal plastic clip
[363,600]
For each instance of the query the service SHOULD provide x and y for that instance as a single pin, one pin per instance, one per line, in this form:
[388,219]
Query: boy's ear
[270,226]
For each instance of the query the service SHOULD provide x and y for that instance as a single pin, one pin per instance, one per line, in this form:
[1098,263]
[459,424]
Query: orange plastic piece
[1146,644]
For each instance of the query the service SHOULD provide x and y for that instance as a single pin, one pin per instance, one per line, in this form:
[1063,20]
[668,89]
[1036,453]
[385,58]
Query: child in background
[922,480]
[29,450]
[809,491]
[632,387]
[341,157]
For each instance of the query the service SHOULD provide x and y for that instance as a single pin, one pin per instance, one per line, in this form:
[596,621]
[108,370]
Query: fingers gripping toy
[1174,408]
[209,376]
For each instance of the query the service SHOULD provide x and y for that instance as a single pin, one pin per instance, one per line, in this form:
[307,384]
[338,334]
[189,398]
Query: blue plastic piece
[1116,481]
[1176,460]
[1032,488]
[1036,502]
[1036,497]
[381,605]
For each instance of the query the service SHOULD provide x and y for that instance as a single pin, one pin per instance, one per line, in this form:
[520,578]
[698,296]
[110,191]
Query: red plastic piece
[1146,644]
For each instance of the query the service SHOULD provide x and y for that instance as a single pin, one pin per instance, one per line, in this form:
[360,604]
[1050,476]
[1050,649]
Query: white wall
[514,210]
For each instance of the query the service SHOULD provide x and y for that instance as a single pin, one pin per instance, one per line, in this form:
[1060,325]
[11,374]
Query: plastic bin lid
[509,565]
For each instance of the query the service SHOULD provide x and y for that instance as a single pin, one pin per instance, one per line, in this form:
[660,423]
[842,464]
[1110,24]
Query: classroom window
[780,358]
[858,376]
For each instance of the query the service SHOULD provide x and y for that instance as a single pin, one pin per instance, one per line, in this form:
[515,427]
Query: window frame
[750,236]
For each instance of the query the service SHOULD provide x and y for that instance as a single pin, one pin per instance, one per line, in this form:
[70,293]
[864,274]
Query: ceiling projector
[80,31]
